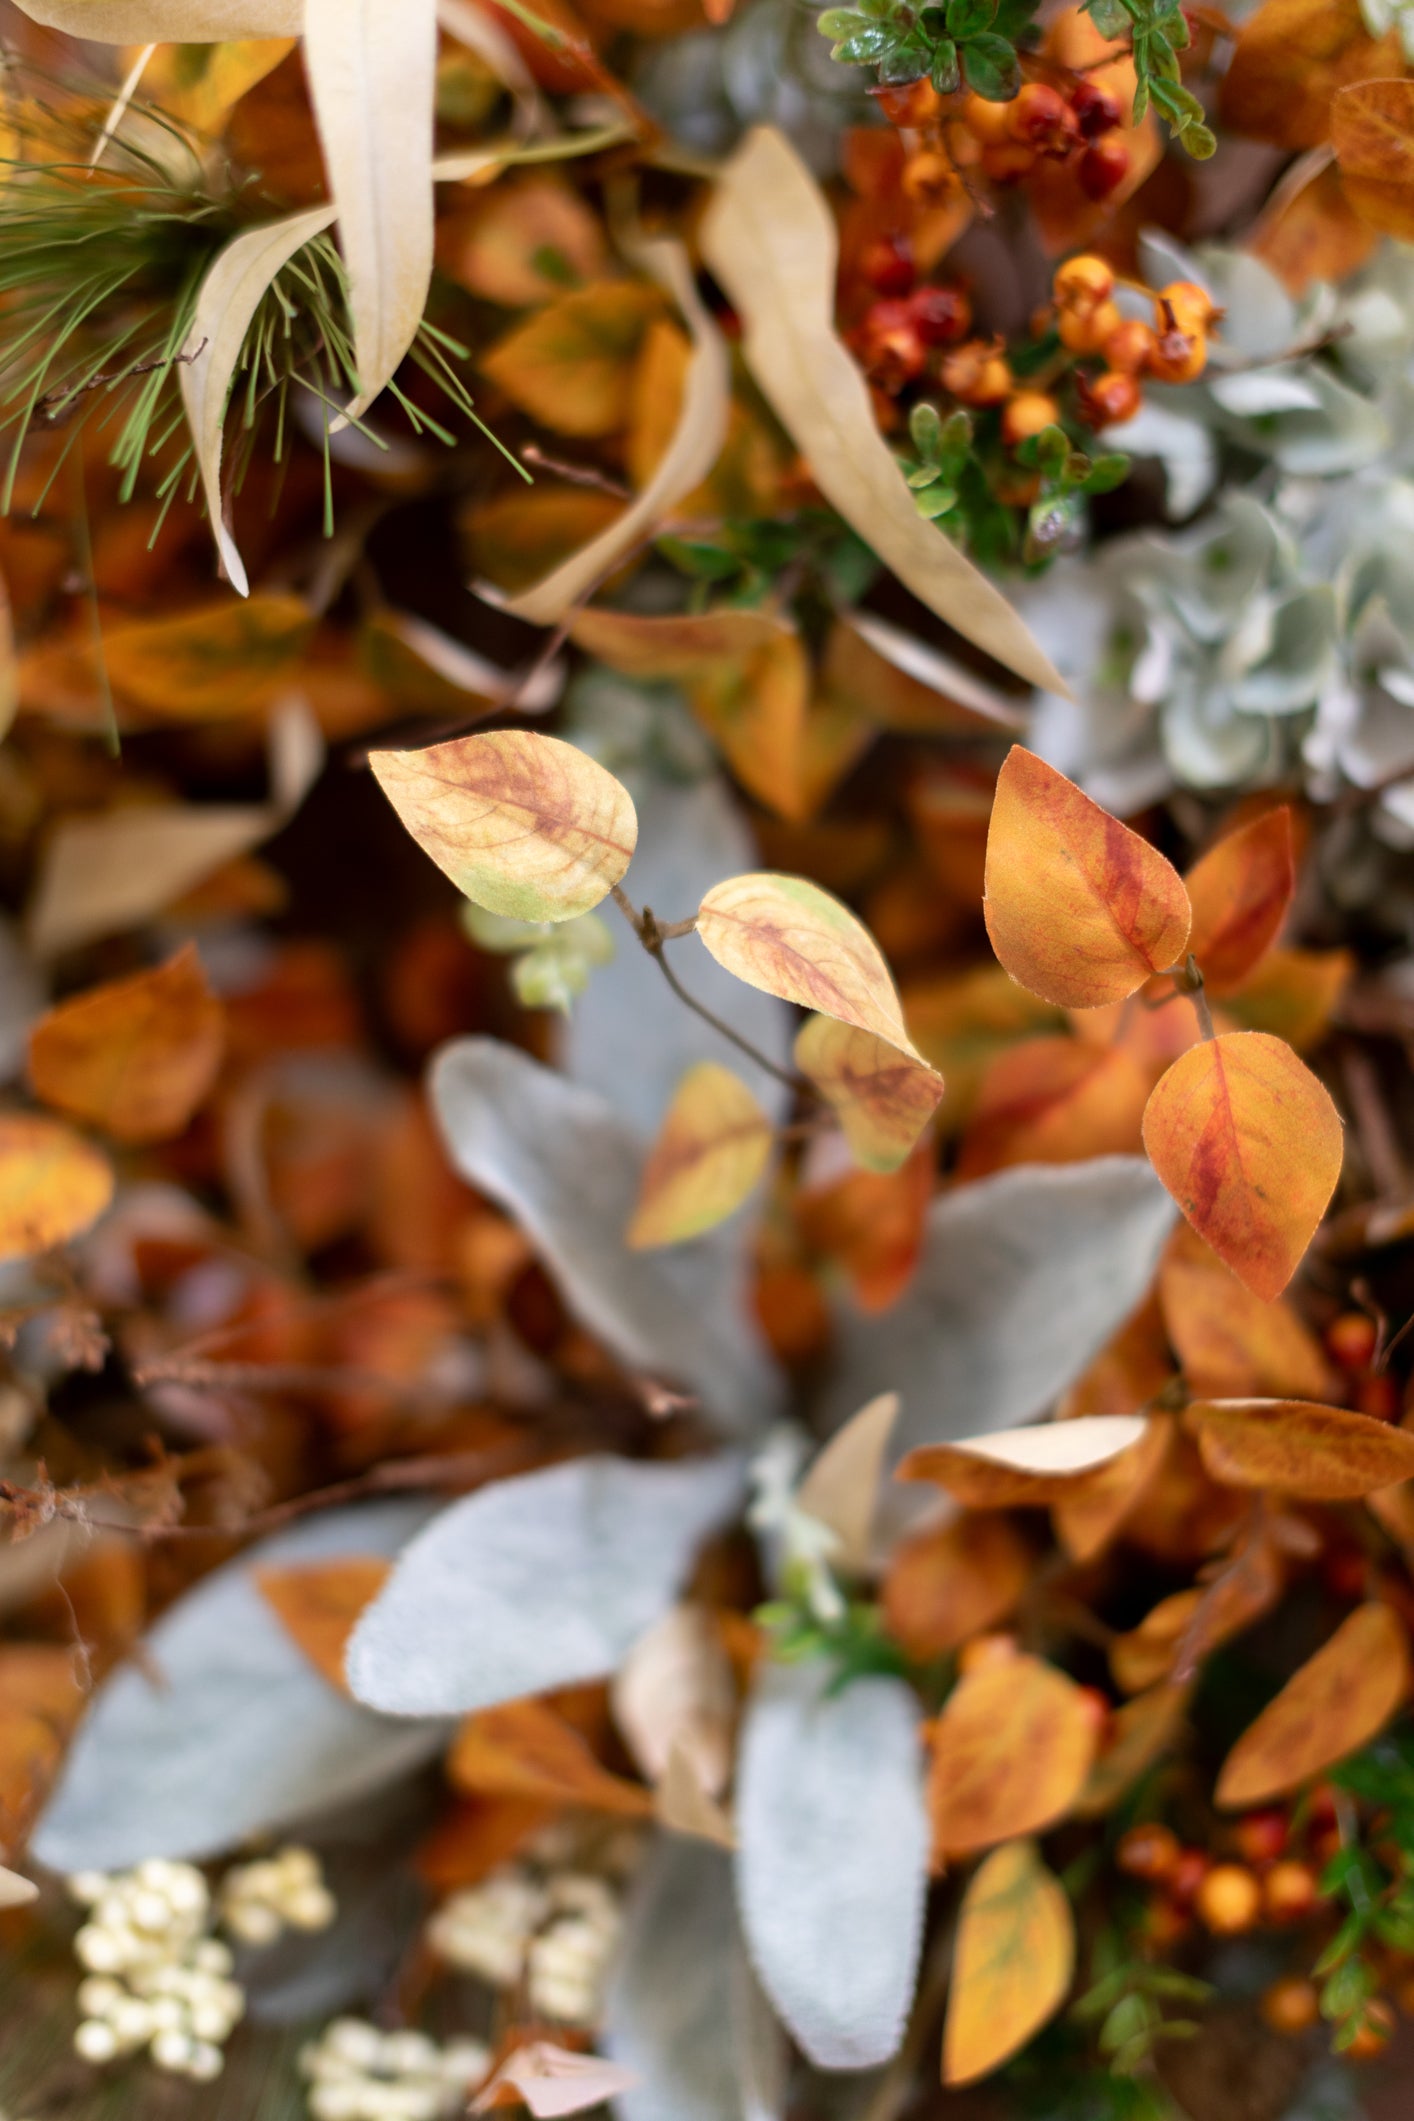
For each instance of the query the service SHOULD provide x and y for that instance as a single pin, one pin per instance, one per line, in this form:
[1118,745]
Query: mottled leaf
[1372,132]
[711,1152]
[882,1096]
[1050,1462]
[318,1603]
[1324,1454]
[1012,1963]
[794,940]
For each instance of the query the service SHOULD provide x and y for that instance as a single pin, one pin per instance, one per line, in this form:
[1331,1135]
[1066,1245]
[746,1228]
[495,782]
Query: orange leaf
[570,365]
[1010,1754]
[950,1581]
[1372,132]
[1337,1702]
[1230,1343]
[526,1749]
[1012,1962]
[794,940]
[1140,1732]
[475,1837]
[318,1604]
[1080,909]
[1293,994]
[40,1701]
[884,1098]
[1087,1522]
[1324,1454]
[1054,1101]
[1249,1145]
[712,1149]
[871,1224]
[1046,1462]
[224,658]
[53,1184]
[1291,57]
[136,1056]
[1239,893]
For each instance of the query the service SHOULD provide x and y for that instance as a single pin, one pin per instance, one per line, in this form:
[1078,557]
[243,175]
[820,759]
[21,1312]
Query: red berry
[1351,1339]
[1152,1851]
[1379,1396]
[887,264]
[889,346]
[1096,110]
[1111,398]
[1190,1868]
[941,315]
[1261,1836]
[1104,166]
[1040,117]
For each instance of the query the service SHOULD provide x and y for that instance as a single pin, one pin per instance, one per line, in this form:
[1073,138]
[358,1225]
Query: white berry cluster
[357,2073]
[259,1901]
[557,1933]
[155,1977]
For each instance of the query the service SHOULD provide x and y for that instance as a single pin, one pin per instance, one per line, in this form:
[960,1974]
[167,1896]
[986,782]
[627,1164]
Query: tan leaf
[794,940]
[882,1096]
[523,824]
[1323,1454]
[1343,1697]
[1046,1462]
[769,237]
[907,684]
[712,1150]
[16,1891]
[318,1604]
[1087,1522]
[526,1749]
[1011,1752]
[53,1184]
[684,1805]
[841,1489]
[136,1056]
[1012,1962]
[673,1694]
[168,21]
[551,2081]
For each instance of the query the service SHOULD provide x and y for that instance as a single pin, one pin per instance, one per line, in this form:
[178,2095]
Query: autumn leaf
[220,659]
[1290,58]
[1054,1101]
[950,1581]
[712,1149]
[1141,1731]
[1080,910]
[525,1749]
[871,1224]
[1240,892]
[882,1097]
[53,1184]
[1230,1343]
[1012,1961]
[1086,1522]
[570,364]
[1338,1701]
[136,1056]
[1249,1144]
[1047,1462]
[16,1891]
[318,1604]
[41,1699]
[523,824]
[1323,1454]
[792,939]
[1010,1754]
[1372,132]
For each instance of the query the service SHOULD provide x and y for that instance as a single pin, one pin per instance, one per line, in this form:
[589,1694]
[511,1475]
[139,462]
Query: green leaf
[990,65]
[907,61]
[925,431]
[945,74]
[863,47]
[1109,17]
[936,501]
[1106,473]
[841,22]
[926,475]
[968,18]
[1200,140]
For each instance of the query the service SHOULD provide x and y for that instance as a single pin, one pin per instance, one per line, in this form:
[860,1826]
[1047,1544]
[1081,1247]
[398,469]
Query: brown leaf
[1372,132]
[1141,1732]
[872,1225]
[951,1581]
[53,1184]
[1011,1752]
[1054,1101]
[135,1057]
[1086,1523]
[1291,57]
[1339,1700]
[570,365]
[1323,1454]
[40,1702]
[526,1749]
[1012,1962]
[318,1604]
[1046,1462]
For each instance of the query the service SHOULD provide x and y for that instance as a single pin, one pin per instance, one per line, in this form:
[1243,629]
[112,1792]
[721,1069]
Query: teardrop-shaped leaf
[712,1150]
[135,1056]
[523,824]
[882,1096]
[1080,909]
[1012,1963]
[1047,1462]
[53,1184]
[1249,1144]
[1240,892]
[1011,1753]
[1340,1699]
[841,1488]
[1325,1454]
[792,939]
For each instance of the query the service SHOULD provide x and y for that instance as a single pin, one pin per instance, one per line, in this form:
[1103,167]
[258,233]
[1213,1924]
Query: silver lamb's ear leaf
[1024,1278]
[683,2011]
[536,1582]
[225,1729]
[832,1857]
[564,1164]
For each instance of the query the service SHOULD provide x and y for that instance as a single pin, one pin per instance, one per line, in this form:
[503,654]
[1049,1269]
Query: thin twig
[653,933]
[576,474]
[55,403]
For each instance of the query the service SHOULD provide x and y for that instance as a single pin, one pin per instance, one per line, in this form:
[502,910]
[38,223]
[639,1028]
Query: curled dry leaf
[1372,132]
[1249,1144]
[790,938]
[1048,1462]
[1324,1454]
[1012,1963]
[1080,910]
[712,1150]
[527,1749]
[882,1096]
[1340,1699]
[135,1056]
[769,237]
[1011,1752]
[523,824]
[1240,892]
[552,2080]
[841,1488]
[1087,1521]
[53,1184]
[318,1604]
[673,1698]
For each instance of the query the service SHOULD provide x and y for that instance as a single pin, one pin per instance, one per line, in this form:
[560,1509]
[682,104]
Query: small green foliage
[852,1637]
[961,43]
[1126,2000]
[1158,32]
[954,482]
[551,962]
[1376,1884]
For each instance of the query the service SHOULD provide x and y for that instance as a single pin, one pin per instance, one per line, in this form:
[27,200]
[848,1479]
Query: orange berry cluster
[1261,1883]
[1004,142]
[1173,349]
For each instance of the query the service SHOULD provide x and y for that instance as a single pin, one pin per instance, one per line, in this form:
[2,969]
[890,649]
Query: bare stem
[653,933]
[1188,979]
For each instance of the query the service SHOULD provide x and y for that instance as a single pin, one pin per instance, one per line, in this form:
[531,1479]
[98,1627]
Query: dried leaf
[41,1698]
[219,659]
[525,1749]
[1010,1754]
[1086,1522]
[1080,910]
[1230,1343]
[1249,1144]
[841,1488]
[1339,1700]
[882,1096]
[53,1184]
[951,1581]
[1050,1462]
[9,662]
[1323,1454]
[1054,1101]
[16,1891]
[523,824]
[1290,58]
[551,2080]
[769,237]
[136,1056]
[870,1224]
[317,1604]
[1372,132]
[1141,1731]
[1012,1963]
[1240,892]
[683,1805]
[168,21]
[673,1697]
[794,940]
[570,364]
[712,1151]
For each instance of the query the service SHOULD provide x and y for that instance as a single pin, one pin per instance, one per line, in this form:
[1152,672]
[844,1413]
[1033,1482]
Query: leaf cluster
[962,43]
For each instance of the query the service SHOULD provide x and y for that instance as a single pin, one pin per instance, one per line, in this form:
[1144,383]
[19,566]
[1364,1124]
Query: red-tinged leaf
[1080,909]
[1044,1463]
[1012,1962]
[883,1097]
[1249,1144]
[1323,1454]
[1240,892]
[1011,1752]
[712,1150]
[53,1184]
[1338,1701]
[792,939]
[136,1056]
[319,1603]
[1054,1101]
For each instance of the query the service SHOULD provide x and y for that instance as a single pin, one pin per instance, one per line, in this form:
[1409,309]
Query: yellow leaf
[200,83]
[523,824]
[713,1148]
[769,237]
[883,1097]
[222,658]
[570,364]
[1339,1700]
[792,939]
[135,1056]
[1012,1963]
[53,1184]
[1011,1753]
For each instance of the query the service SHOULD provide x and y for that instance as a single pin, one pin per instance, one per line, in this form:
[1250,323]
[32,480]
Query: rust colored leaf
[135,1056]
[53,1184]
[1291,57]
[951,1581]
[1011,1752]
[883,1097]
[871,1225]
[1054,1101]
[1339,1700]
[40,1702]
[523,824]
[790,938]
[475,1837]
[1248,1143]
[1372,132]
[1141,1731]
[1080,910]
[1239,893]
[570,365]
[318,1605]
[1324,1454]
[712,1150]
[1230,1343]
[1047,1462]
[526,1749]
[1086,1523]
[1012,1963]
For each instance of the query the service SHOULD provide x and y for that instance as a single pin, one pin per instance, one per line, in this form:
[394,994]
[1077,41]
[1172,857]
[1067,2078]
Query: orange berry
[964,145]
[1084,331]
[986,121]
[978,373]
[1186,306]
[1110,399]
[929,179]
[1289,1892]
[1104,166]
[1129,345]
[1229,1900]
[984,1652]
[908,103]
[1351,1340]
[1291,2005]
[1040,117]
[1151,1851]
[1026,414]
[1083,283]
[1190,1869]
[1008,161]
[1374,2034]
[1179,356]
[1261,1836]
